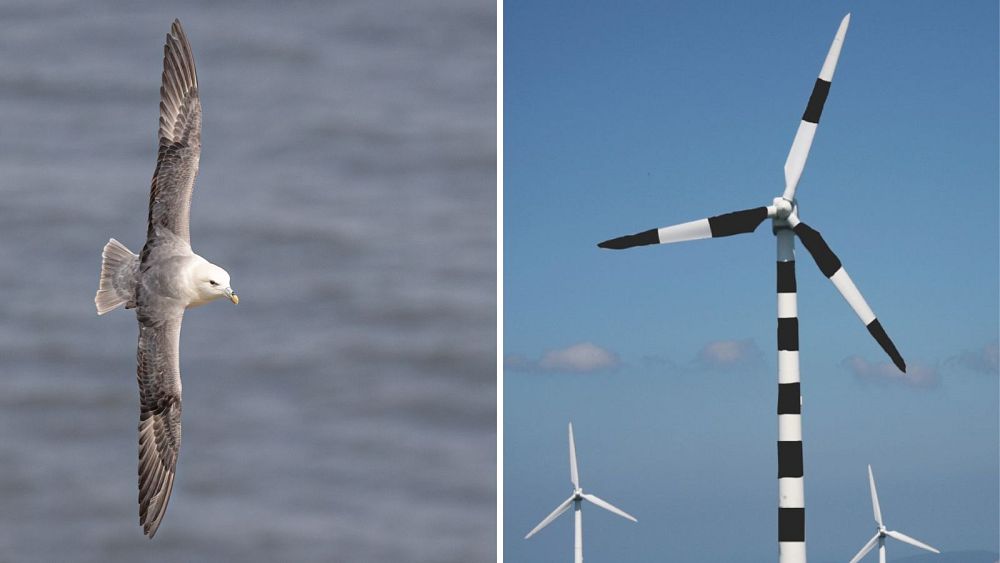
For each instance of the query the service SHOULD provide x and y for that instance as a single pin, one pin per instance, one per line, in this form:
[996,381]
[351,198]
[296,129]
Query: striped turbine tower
[786,224]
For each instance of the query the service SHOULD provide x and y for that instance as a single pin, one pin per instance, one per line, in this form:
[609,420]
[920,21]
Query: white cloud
[916,375]
[579,358]
[584,357]
[729,354]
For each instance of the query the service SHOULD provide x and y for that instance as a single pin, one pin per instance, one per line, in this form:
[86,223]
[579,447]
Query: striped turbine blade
[799,152]
[832,268]
[725,225]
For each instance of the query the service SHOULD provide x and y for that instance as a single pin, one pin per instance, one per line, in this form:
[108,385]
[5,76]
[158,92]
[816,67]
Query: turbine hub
[783,208]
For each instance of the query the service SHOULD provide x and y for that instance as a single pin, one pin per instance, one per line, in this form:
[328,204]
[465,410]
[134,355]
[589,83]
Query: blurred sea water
[345,409]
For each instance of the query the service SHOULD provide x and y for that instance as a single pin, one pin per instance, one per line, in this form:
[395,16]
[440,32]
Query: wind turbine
[881,533]
[786,224]
[576,500]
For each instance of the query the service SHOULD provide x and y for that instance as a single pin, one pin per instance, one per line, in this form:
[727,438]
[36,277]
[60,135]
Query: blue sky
[619,117]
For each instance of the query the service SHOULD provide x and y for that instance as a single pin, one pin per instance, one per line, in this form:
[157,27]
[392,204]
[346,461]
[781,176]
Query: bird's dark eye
[213,282]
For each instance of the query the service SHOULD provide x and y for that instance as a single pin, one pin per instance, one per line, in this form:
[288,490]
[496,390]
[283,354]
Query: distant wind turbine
[881,533]
[785,224]
[576,500]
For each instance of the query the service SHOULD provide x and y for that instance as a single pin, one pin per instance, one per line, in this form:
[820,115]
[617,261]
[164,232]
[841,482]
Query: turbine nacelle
[781,208]
[779,211]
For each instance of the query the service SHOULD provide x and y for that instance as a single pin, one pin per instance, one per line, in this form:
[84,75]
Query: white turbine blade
[574,475]
[830,64]
[833,269]
[876,510]
[548,519]
[727,224]
[864,550]
[799,152]
[608,506]
[907,539]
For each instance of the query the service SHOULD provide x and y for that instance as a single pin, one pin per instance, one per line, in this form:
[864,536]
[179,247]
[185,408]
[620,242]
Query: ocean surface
[345,409]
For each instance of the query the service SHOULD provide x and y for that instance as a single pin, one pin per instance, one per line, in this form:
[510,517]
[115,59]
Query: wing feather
[179,139]
[158,373]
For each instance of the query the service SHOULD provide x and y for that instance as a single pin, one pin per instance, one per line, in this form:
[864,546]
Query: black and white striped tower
[783,211]
[791,470]
[791,488]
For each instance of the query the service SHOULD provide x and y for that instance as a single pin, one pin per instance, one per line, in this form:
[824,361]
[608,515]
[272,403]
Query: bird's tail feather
[117,286]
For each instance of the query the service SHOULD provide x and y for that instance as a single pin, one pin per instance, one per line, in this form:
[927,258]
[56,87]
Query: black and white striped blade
[799,152]
[832,268]
[725,225]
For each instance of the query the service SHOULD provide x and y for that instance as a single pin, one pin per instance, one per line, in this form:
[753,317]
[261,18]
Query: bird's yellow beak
[232,296]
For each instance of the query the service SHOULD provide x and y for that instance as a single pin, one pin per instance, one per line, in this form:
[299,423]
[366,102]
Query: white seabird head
[210,283]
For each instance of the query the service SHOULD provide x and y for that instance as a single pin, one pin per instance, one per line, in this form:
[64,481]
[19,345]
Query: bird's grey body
[166,278]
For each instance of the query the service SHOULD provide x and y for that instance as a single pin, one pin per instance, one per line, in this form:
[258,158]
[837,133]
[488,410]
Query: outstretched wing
[180,139]
[159,378]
